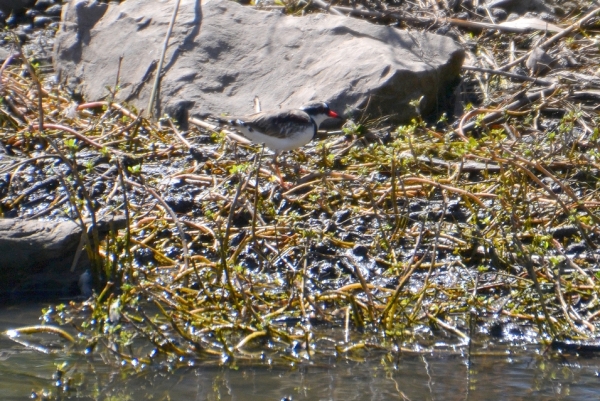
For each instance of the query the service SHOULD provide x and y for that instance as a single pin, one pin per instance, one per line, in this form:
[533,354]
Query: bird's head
[319,111]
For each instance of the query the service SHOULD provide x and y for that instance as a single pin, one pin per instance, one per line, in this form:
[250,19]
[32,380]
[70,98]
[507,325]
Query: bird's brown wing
[280,124]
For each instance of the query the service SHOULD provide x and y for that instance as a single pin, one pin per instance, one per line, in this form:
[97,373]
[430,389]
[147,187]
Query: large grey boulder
[221,55]
[36,257]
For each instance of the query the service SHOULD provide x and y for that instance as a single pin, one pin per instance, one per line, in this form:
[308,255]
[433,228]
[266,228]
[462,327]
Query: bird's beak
[332,114]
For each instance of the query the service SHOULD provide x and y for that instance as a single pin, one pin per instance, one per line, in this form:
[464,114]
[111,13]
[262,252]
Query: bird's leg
[276,166]
[278,172]
[296,166]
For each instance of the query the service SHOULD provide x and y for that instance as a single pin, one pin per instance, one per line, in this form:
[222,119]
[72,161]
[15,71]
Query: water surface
[496,373]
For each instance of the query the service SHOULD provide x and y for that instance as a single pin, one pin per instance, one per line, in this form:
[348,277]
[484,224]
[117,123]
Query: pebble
[98,189]
[54,11]
[324,249]
[32,13]
[180,203]
[499,14]
[330,227]
[23,30]
[341,216]
[41,21]
[43,4]
[513,17]
[360,251]
[144,256]
[577,248]
[12,20]
[443,30]
[453,4]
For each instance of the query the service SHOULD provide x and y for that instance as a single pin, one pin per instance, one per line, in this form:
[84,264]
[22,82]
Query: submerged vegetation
[387,238]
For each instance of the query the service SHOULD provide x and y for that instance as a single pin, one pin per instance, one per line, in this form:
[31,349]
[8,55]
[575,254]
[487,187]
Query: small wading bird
[285,129]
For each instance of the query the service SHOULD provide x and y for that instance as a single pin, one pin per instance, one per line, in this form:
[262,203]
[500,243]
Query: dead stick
[70,131]
[161,61]
[508,75]
[513,106]
[554,38]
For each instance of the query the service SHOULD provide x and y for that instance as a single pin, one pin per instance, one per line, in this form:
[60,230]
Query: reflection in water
[494,374]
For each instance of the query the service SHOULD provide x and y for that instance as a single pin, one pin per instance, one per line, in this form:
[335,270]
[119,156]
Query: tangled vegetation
[386,237]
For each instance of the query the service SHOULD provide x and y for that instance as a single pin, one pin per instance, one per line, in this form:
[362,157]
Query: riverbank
[399,239]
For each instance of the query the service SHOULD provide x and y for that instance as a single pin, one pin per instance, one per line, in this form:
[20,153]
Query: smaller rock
[32,13]
[350,237]
[548,17]
[499,14]
[43,4]
[172,252]
[249,262]
[360,229]
[324,249]
[513,17]
[577,248]
[539,62]
[180,203]
[23,32]
[341,216]
[144,256]
[520,71]
[41,21]
[325,270]
[415,206]
[237,239]
[330,227]
[361,251]
[12,20]
[453,5]
[98,189]
[54,11]
[444,29]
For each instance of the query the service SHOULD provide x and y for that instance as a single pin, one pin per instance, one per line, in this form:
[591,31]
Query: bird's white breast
[292,141]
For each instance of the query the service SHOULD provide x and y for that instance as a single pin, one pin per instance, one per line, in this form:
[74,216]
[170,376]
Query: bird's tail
[232,122]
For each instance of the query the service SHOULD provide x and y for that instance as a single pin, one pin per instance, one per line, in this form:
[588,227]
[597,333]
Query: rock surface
[521,6]
[221,55]
[37,257]
[8,6]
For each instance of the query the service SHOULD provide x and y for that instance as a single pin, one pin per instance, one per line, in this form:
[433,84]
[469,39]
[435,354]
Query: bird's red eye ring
[332,114]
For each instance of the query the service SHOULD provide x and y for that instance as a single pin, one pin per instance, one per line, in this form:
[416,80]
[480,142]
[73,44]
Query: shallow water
[495,374]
